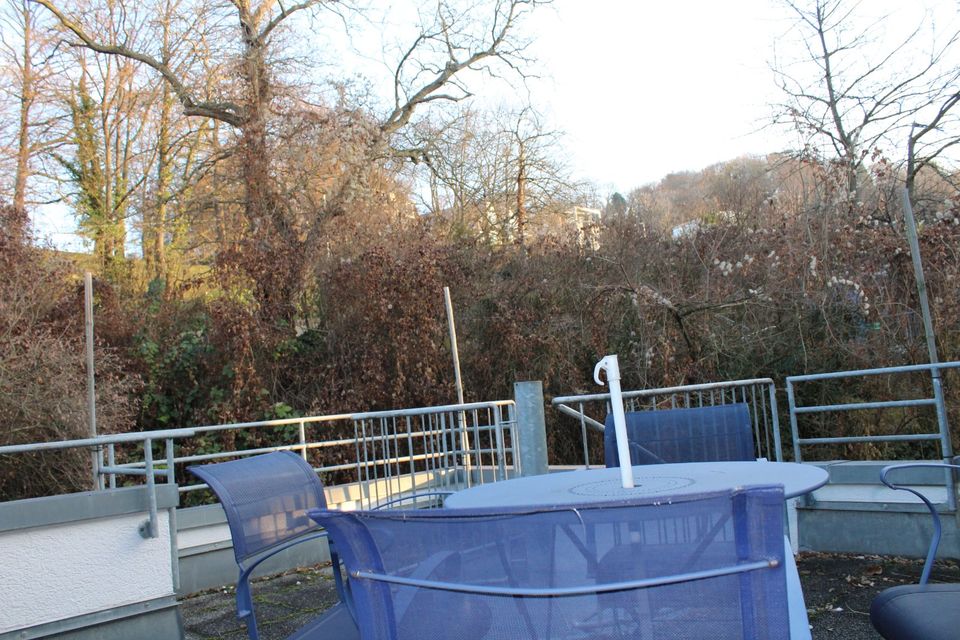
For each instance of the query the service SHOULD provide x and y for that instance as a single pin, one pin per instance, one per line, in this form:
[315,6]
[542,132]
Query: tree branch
[227,112]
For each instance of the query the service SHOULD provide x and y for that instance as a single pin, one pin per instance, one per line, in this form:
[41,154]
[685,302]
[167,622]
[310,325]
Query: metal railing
[148,469]
[941,435]
[380,455]
[759,394]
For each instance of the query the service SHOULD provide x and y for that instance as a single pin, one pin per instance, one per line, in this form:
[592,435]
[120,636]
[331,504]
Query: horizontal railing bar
[643,393]
[135,468]
[159,472]
[873,372]
[887,404]
[897,438]
[282,422]
[433,474]
[321,444]
[449,408]
[99,441]
[573,413]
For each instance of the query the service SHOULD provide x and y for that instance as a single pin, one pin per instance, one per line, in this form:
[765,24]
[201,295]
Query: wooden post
[91,389]
[461,418]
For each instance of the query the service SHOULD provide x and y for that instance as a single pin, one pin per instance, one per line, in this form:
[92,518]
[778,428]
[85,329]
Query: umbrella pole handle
[611,366]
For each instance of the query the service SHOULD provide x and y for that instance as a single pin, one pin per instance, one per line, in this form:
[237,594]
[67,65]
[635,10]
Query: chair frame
[937,525]
[247,564]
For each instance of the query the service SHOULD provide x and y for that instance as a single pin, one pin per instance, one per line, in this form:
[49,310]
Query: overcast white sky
[646,88]
[642,88]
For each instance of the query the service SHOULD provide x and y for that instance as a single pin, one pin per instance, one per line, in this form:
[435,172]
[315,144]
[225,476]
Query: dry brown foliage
[42,371]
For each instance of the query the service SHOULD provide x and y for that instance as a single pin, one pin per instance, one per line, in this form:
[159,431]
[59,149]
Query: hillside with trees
[271,239]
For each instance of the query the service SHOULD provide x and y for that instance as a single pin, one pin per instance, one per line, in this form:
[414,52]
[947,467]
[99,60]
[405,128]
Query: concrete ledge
[88,505]
[878,532]
[879,497]
[159,618]
[868,472]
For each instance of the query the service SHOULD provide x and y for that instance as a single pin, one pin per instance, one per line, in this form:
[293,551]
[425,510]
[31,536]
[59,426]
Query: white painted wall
[57,572]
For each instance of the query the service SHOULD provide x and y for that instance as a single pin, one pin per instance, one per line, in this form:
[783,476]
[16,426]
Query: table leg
[797,608]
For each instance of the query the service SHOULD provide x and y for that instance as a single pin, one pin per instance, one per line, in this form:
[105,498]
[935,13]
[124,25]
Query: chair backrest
[707,566]
[266,499]
[702,434]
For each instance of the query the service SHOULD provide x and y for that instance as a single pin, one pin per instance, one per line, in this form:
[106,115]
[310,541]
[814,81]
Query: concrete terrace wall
[76,566]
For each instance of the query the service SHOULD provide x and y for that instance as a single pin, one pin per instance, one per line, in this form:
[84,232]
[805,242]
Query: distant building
[691,227]
[587,223]
[688,228]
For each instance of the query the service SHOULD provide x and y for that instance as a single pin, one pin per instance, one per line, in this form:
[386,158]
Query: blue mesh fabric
[566,547]
[266,498]
[703,434]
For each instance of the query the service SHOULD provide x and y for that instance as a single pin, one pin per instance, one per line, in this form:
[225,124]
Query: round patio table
[658,480]
[655,480]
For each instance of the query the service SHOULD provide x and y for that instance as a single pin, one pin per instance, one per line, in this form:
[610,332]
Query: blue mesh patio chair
[702,434]
[923,610]
[266,499]
[515,573]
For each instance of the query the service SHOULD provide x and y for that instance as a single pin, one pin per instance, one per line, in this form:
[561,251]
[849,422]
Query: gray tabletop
[588,485]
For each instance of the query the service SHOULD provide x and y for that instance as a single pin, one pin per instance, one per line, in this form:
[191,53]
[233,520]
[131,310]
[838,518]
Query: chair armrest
[245,601]
[937,527]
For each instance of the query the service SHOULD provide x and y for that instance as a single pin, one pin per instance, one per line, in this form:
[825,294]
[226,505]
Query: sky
[643,88]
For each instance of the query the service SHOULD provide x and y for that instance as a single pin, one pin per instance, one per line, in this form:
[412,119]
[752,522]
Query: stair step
[878,496]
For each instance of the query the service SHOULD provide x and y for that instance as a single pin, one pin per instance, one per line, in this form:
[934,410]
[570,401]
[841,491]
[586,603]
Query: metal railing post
[303,440]
[775,421]
[583,437]
[946,446]
[501,451]
[149,528]
[531,428]
[172,517]
[112,462]
[794,433]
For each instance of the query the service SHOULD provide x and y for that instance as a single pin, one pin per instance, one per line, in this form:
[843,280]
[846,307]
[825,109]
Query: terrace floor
[837,588]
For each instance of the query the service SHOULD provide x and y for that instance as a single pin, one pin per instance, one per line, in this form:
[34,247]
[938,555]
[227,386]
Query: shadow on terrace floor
[837,588]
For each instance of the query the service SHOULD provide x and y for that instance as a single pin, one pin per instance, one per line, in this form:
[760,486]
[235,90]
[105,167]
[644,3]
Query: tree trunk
[26,101]
[158,232]
[271,252]
[521,193]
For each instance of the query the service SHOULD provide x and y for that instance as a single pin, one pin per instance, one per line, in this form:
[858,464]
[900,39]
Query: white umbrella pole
[611,366]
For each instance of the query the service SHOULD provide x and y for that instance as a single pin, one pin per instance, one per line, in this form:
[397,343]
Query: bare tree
[110,158]
[495,173]
[849,94]
[928,141]
[277,251]
[25,47]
